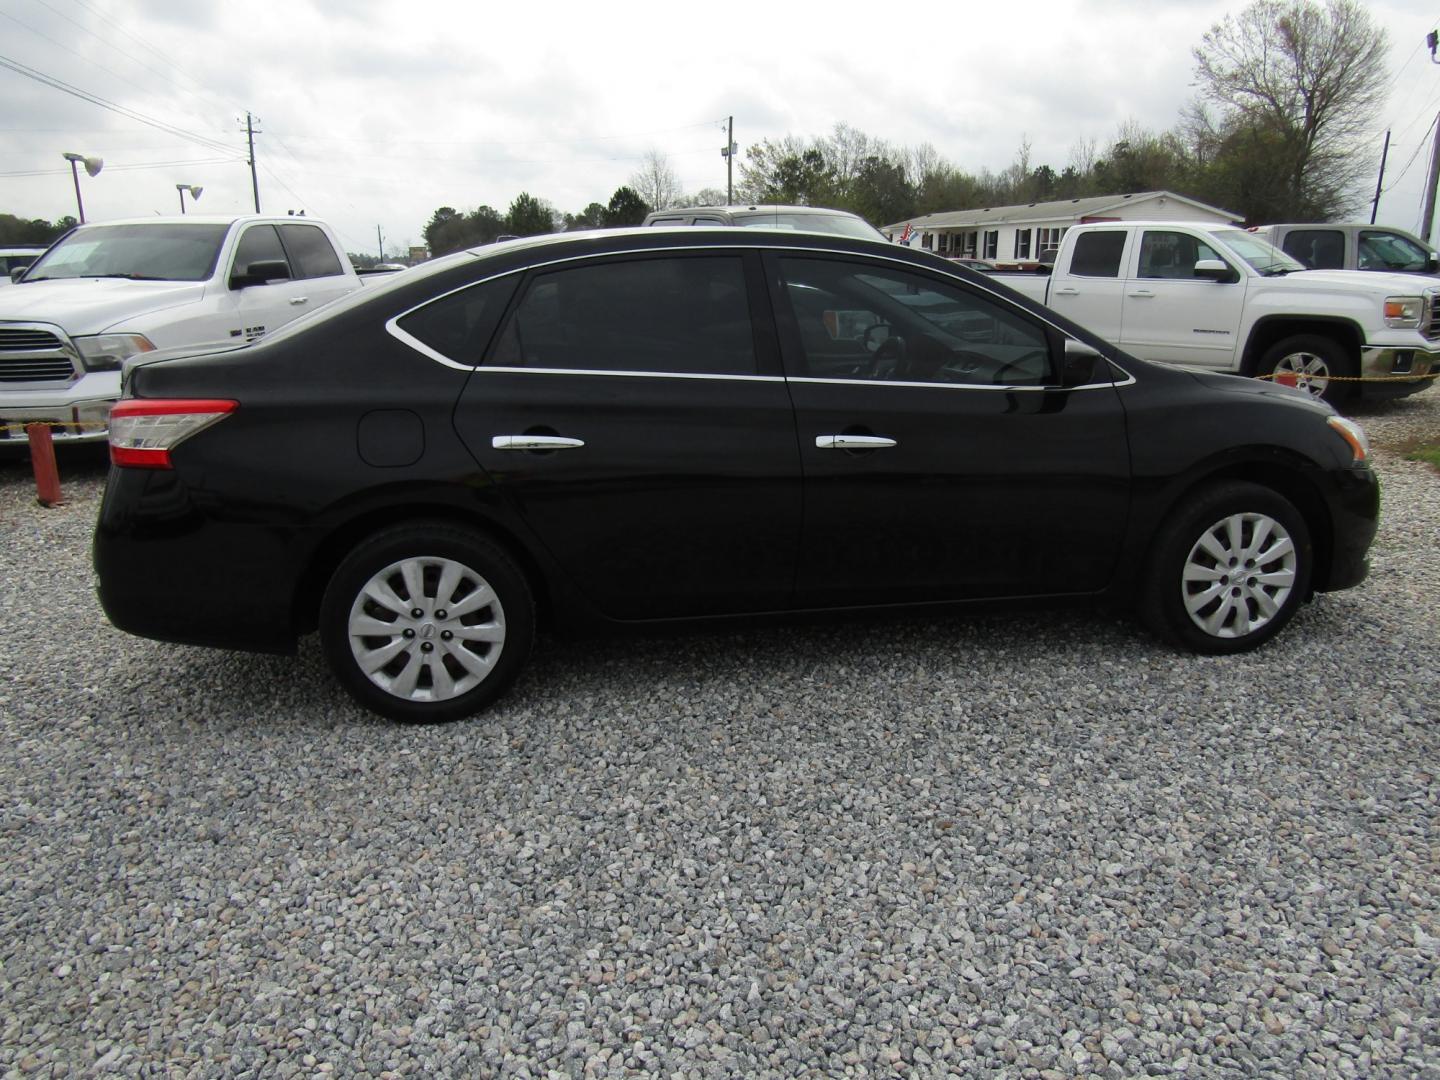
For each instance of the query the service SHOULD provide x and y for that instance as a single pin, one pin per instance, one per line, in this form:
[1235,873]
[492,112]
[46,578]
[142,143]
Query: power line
[126,168]
[389,141]
[1420,146]
[120,110]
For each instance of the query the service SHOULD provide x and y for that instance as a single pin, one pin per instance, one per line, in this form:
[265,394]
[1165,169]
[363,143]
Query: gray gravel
[1038,845]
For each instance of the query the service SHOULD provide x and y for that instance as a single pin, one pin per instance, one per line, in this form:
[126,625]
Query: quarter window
[460,325]
[311,253]
[683,315]
[865,322]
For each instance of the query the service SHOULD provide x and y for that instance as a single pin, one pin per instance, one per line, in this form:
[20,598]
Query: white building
[1011,235]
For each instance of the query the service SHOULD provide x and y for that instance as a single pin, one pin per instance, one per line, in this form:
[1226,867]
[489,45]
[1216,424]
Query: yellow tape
[1349,378]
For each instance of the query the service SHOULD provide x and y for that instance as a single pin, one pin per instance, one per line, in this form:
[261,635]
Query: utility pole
[380,240]
[1433,177]
[1384,153]
[729,155]
[250,134]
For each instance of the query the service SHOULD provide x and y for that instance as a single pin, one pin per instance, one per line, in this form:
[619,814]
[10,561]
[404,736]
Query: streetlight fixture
[194,190]
[93,166]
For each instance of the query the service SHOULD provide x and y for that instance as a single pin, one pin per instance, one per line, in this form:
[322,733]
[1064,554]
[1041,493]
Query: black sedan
[645,426]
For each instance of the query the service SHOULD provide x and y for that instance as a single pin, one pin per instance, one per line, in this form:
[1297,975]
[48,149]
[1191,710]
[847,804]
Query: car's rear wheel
[1318,365]
[427,622]
[1228,570]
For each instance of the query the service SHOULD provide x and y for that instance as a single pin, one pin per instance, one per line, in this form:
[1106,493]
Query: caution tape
[1291,378]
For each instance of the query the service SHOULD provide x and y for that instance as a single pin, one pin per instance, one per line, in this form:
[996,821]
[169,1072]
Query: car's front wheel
[1228,570]
[427,622]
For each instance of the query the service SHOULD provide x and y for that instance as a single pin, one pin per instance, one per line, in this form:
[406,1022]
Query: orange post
[42,460]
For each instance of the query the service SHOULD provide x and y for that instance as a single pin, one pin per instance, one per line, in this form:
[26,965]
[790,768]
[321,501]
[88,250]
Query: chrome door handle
[852,442]
[1067,292]
[534,442]
[1145,293]
[299,299]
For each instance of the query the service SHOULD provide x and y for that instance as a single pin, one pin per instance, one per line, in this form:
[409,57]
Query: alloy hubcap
[427,629]
[1304,371]
[1238,575]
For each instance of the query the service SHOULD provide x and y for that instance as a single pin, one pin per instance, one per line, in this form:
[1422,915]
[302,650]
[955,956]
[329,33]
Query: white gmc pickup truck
[105,292]
[1220,298]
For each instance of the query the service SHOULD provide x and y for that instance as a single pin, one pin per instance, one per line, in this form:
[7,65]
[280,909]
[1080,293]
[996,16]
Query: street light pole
[92,166]
[194,193]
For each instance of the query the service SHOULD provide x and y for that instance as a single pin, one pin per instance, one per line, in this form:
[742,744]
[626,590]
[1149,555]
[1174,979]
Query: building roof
[1059,210]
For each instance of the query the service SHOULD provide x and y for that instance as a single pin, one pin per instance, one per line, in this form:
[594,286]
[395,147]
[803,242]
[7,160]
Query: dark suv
[652,425]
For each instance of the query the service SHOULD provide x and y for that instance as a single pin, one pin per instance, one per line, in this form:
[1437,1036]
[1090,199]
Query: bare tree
[1308,79]
[655,182]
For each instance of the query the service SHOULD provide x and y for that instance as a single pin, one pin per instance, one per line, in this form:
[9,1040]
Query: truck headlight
[107,352]
[1404,312]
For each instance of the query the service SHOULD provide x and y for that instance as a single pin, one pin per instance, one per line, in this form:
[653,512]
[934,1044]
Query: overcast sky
[375,112]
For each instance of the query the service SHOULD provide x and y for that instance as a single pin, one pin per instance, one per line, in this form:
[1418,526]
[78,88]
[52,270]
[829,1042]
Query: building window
[1022,243]
[967,244]
[992,243]
[1047,238]
[927,241]
[944,243]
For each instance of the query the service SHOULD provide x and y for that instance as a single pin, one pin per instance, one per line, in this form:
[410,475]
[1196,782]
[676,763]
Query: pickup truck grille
[34,354]
[1430,324]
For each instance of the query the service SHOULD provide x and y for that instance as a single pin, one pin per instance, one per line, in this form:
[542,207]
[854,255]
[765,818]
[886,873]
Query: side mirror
[1215,270]
[260,273]
[1078,364]
[1432,263]
[18,273]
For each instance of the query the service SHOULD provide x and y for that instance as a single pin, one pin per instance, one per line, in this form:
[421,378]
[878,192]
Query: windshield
[1261,255]
[159,252]
[837,225]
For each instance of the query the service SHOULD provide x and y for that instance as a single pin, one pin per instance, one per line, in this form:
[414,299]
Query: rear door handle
[1067,292]
[852,442]
[299,299]
[1142,293]
[534,442]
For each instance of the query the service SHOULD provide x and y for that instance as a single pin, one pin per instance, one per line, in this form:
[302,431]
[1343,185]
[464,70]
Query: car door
[940,460]
[1171,314]
[1090,290]
[633,411]
[254,310]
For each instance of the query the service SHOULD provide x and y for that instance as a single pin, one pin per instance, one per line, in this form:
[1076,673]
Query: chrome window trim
[717,376]
[400,335]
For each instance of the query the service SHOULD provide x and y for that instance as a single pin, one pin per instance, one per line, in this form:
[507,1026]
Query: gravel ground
[1036,845]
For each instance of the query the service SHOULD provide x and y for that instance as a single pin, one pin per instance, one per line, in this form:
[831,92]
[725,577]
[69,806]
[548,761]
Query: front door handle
[534,442]
[852,442]
[1067,292]
[299,299]
[1141,293]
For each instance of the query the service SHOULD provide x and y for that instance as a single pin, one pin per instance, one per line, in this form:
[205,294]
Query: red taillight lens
[144,431]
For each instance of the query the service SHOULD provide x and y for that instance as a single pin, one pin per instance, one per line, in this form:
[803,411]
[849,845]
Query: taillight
[144,431]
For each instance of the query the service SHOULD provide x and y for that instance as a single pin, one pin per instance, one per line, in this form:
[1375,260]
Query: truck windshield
[1264,257]
[141,252]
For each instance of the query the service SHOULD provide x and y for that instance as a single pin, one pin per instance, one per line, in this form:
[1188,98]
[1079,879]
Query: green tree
[15,230]
[528,216]
[1304,80]
[592,217]
[626,208]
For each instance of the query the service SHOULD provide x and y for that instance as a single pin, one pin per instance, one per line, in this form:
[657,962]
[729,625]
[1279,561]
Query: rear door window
[686,315]
[1098,254]
[311,253]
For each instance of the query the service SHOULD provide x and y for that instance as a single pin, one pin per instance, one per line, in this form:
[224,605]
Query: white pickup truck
[1220,298]
[106,292]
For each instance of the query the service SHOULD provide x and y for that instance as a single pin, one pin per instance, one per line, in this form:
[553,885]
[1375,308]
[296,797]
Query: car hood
[1390,284]
[94,305]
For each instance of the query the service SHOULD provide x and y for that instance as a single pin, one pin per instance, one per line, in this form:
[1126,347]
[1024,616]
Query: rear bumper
[1389,372]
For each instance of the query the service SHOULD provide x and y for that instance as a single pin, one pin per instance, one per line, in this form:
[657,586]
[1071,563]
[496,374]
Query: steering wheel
[889,359]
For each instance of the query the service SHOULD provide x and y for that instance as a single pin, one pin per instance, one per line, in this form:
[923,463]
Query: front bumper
[1388,372]
[69,422]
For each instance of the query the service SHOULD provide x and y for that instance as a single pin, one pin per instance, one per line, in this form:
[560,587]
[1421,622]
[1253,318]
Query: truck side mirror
[1215,270]
[1432,264]
[1078,363]
[260,273]
[19,272]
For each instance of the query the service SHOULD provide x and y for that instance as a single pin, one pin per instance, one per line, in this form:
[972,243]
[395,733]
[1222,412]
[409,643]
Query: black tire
[459,673]
[1318,365]
[1184,613]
